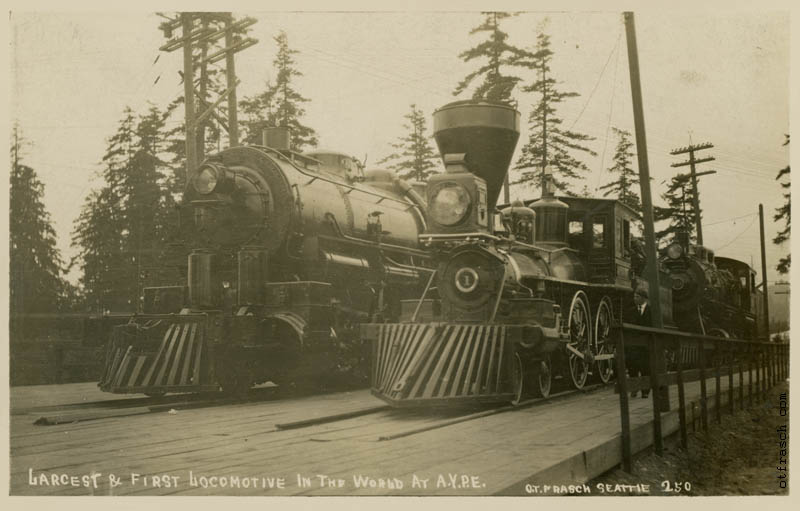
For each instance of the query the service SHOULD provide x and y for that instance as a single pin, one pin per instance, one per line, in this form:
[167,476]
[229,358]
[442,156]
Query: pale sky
[716,76]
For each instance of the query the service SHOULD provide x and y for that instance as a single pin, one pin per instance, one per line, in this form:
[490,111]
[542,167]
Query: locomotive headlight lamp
[450,204]
[674,251]
[466,280]
[206,179]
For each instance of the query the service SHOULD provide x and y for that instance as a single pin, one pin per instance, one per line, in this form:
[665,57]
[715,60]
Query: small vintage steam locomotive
[285,255]
[517,297]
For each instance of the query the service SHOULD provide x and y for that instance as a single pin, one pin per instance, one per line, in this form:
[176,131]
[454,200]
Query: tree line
[127,223]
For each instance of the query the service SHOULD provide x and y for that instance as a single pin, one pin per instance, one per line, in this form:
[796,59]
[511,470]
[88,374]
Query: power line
[737,236]
[731,219]
[599,78]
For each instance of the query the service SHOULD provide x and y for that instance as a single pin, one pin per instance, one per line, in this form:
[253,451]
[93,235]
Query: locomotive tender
[520,296]
[285,254]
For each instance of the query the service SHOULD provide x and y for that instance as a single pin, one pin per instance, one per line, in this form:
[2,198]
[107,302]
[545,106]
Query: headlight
[674,251]
[206,179]
[450,204]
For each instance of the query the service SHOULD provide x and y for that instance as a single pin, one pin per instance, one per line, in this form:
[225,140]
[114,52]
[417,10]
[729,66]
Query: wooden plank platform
[571,439]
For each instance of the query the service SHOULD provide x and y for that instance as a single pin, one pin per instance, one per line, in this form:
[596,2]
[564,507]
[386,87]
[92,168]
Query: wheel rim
[545,376]
[519,380]
[602,335]
[579,339]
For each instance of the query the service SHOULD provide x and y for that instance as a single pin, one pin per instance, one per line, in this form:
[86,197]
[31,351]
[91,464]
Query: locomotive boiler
[523,295]
[284,255]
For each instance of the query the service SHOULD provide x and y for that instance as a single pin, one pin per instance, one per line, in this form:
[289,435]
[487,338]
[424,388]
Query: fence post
[703,406]
[624,411]
[653,347]
[764,376]
[785,361]
[769,366]
[681,396]
[759,372]
[741,377]
[750,373]
[717,385]
[730,379]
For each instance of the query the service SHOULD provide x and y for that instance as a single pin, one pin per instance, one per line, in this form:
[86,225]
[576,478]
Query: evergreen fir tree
[784,213]
[280,104]
[414,157]
[36,267]
[123,227]
[623,188]
[259,112]
[679,210]
[496,85]
[549,143]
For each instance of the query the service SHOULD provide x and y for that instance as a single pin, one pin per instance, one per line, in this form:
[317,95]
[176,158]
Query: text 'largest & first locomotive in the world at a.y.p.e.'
[285,254]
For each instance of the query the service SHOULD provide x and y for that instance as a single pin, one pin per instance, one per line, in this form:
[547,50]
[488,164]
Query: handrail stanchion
[717,386]
[624,411]
[681,395]
[658,443]
[701,352]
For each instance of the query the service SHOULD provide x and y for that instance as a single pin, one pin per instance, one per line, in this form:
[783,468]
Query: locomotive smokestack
[487,131]
[279,138]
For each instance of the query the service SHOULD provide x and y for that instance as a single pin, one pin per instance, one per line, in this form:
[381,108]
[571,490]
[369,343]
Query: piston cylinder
[252,275]
[204,282]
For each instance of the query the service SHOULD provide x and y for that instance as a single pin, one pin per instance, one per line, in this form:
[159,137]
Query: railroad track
[424,420]
[451,417]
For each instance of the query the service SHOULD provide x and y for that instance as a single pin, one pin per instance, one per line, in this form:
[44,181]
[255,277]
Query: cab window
[599,232]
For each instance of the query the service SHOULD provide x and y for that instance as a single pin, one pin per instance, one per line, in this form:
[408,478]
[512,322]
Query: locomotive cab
[599,230]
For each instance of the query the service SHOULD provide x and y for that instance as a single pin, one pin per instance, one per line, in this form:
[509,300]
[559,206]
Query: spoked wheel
[544,376]
[580,340]
[602,340]
[520,383]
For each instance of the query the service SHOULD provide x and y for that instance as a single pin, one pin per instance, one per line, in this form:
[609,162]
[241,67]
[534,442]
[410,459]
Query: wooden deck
[571,439]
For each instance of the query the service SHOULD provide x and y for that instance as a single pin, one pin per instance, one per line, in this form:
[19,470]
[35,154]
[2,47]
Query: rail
[769,360]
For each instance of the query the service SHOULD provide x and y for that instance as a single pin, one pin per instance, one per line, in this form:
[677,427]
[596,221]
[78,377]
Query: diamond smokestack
[487,131]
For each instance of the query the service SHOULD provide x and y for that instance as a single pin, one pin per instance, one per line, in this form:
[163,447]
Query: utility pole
[230,75]
[644,173]
[214,26]
[692,162]
[764,270]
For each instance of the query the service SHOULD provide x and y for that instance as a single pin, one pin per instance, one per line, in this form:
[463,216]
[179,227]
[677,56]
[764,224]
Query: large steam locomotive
[285,254]
[712,295]
[531,292]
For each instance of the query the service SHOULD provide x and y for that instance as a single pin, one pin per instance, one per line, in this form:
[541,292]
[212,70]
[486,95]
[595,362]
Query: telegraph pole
[191,38]
[692,162]
[644,173]
[188,93]
[764,270]
[660,393]
[230,75]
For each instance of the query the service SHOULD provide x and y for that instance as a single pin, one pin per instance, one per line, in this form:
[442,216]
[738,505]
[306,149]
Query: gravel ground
[740,456]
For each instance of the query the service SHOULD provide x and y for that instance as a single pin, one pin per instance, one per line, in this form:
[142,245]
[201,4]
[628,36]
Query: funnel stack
[486,131]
